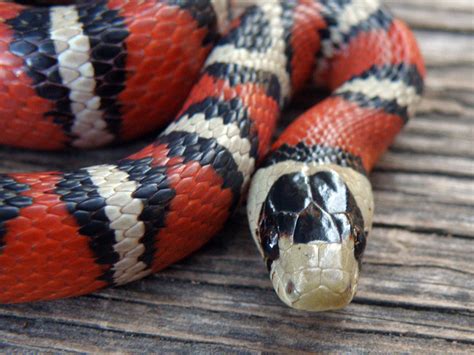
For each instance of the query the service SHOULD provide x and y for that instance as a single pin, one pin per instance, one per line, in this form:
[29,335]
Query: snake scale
[103,72]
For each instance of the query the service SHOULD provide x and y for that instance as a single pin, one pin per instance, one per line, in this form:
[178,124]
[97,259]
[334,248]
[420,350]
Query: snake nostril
[290,287]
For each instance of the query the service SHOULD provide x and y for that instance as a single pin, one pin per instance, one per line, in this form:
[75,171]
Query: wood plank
[435,15]
[413,212]
[222,332]
[430,188]
[409,161]
[443,49]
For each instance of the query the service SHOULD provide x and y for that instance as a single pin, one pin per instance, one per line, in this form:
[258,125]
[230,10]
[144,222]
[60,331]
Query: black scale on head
[310,208]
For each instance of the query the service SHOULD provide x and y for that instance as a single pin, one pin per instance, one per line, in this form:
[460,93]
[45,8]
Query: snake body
[107,71]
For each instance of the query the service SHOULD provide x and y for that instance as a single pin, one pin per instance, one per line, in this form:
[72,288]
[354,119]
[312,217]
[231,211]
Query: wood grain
[417,286]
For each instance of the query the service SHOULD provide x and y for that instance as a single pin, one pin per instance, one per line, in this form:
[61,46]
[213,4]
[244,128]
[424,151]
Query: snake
[213,77]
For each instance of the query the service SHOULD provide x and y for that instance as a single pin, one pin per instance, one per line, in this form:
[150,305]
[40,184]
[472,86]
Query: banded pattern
[150,193]
[239,74]
[310,205]
[122,210]
[105,78]
[261,47]
[396,88]
[227,124]
[346,19]
[85,69]
[83,201]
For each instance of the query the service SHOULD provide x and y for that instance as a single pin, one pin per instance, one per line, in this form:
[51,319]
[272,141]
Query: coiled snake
[107,71]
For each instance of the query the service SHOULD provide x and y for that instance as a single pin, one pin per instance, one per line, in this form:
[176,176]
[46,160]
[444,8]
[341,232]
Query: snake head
[312,235]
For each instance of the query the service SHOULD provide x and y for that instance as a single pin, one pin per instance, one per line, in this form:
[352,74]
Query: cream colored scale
[77,74]
[123,212]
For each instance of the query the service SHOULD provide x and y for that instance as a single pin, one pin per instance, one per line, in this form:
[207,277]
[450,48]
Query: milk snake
[107,71]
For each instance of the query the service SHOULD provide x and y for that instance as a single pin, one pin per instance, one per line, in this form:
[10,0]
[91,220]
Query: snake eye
[268,234]
[360,237]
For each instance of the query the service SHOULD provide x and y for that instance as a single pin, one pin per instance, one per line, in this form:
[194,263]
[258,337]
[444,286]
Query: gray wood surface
[417,287]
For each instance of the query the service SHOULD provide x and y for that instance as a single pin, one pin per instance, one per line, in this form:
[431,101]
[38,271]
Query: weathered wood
[445,15]
[416,291]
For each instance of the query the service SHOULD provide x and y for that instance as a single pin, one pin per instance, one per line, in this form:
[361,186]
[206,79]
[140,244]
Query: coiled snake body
[107,71]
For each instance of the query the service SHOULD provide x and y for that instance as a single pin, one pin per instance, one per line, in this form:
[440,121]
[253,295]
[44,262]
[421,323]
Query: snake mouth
[317,276]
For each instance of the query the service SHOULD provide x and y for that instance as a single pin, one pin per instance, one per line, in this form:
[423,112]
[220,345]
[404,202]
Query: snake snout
[316,277]
[312,236]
